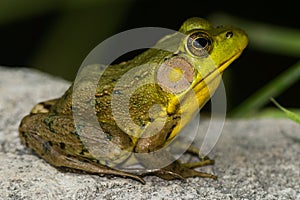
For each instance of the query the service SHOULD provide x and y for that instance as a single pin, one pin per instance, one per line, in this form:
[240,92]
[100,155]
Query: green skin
[50,131]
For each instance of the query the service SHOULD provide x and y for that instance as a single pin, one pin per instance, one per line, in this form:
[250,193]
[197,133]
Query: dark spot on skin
[176,116]
[23,135]
[171,129]
[74,132]
[46,147]
[49,122]
[174,125]
[62,145]
[83,151]
[108,137]
[169,133]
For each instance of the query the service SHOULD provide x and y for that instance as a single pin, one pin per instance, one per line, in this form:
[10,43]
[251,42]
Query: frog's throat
[207,86]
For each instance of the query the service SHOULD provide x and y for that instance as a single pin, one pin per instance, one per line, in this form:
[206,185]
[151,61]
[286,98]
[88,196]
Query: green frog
[169,81]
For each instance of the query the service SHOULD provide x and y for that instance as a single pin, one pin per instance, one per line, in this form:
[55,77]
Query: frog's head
[197,63]
[202,55]
[222,44]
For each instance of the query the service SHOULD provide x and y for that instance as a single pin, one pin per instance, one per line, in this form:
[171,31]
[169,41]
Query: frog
[171,79]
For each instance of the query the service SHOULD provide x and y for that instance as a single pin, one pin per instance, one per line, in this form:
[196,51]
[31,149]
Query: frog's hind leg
[60,160]
[194,151]
[56,154]
[87,166]
[204,161]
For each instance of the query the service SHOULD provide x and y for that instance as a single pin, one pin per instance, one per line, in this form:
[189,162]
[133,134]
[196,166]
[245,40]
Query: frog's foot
[177,170]
[192,150]
[204,162]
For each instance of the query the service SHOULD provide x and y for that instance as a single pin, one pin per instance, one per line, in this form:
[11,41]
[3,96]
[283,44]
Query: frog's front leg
[189,166]
[56,146]
[175,170]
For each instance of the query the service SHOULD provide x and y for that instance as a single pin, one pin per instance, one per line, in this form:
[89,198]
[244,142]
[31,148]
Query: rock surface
[255,159]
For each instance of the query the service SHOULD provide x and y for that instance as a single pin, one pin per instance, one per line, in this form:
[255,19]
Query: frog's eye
[175,75]
[199,44]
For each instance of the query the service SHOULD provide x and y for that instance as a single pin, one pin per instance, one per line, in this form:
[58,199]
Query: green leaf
[272,89]
[288,113]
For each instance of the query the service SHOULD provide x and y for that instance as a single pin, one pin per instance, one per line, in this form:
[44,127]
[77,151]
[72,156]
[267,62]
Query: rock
[255,159]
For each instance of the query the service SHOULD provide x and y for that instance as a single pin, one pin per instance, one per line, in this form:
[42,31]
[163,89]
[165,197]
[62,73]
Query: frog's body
[49,129]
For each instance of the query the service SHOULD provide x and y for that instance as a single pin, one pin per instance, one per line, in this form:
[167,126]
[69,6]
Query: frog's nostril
[229,34]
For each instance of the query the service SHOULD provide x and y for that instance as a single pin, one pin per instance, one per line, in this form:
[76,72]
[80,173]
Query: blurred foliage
[290,114]
[12,10]
[78,28]
[265,37]
[274,88]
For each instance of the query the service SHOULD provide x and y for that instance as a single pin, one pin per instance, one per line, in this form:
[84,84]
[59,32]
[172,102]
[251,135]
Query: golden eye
[199,44]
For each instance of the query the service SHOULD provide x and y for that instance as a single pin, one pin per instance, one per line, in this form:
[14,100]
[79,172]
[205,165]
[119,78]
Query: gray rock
[255,159]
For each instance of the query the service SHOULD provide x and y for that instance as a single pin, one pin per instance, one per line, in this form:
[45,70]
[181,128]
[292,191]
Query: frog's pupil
[200,42]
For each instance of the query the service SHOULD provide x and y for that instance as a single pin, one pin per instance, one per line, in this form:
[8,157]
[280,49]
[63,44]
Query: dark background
[56,36]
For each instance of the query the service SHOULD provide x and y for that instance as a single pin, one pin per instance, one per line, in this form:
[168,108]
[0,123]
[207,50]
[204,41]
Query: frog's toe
[204,162]
[168,175]
[177,170]
[194,173]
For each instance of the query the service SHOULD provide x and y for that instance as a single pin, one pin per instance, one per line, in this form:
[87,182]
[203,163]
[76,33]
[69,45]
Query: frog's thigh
[34,137]
[60,160]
